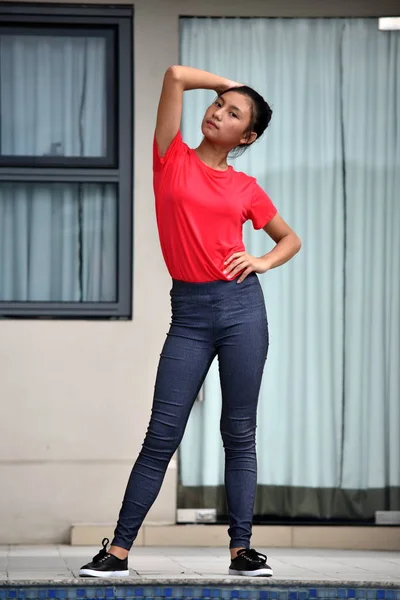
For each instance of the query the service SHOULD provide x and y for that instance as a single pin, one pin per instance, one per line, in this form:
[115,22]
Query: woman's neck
[213,156]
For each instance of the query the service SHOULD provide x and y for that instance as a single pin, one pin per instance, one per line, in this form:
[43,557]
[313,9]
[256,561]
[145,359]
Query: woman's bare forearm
[193,79]
[284,250]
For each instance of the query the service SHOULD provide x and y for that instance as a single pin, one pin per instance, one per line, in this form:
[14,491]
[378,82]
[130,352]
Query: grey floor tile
[166,572]
[36,575]
[202,559]
[321,567]
[328,553]
[158,557]
[200,564]
[156,566]
[395,564]
[368,566]
[36,560]
[85,551]
[38,569]
[295,572]
[148,571]
[169,551]
[74,568]
[313,578]
[190,564]
[34,551]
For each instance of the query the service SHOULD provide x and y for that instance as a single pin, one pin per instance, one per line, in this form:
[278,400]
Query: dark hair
[261,114]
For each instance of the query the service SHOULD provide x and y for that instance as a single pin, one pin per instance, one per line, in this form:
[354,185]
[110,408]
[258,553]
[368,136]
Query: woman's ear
[249,138]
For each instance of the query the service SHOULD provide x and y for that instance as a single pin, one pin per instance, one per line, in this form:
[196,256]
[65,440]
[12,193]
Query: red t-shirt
[200,212]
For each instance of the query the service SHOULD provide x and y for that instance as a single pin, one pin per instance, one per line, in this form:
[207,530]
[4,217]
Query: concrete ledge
[347,538]
[272,536]
[203,582]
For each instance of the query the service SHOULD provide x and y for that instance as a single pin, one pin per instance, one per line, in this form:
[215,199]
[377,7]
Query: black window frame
[116,167]
[111,157]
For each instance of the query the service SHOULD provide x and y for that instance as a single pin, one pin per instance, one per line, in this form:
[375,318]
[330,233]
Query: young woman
[217,305]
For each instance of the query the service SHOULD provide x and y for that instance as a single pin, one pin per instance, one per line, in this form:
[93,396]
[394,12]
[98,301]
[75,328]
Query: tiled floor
[167,565]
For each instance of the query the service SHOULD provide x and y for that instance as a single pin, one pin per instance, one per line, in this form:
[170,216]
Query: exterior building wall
[76,395]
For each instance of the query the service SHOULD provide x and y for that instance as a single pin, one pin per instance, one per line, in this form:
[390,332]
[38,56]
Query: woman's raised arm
[178,79]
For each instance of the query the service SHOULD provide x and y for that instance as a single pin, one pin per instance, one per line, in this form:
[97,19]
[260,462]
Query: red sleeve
[175,148]
[261,209]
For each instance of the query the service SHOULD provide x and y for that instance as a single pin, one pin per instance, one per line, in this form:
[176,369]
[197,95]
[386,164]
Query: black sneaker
[250,563]
[105,564]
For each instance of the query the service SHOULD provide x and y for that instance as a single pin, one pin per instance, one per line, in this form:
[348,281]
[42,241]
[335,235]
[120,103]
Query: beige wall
[76,395]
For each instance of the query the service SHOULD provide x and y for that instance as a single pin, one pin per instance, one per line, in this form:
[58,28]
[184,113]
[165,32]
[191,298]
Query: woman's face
[227,120]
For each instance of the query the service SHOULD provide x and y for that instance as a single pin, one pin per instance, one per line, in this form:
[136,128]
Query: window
[65,161]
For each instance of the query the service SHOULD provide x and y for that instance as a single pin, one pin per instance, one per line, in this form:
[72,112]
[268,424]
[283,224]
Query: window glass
[58,242]
[53,95]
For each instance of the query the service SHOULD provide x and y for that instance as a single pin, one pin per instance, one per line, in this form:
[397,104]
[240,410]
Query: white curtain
[371,113]
[57,240]
[52,95]
[318,156]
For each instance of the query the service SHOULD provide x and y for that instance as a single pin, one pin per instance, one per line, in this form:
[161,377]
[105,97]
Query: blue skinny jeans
[218,318]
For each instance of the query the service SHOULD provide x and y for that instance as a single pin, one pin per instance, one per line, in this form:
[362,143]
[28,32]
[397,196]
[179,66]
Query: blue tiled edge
[11,591]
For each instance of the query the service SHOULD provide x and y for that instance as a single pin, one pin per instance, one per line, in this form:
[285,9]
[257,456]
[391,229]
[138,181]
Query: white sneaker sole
[93,573]
[257,573]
